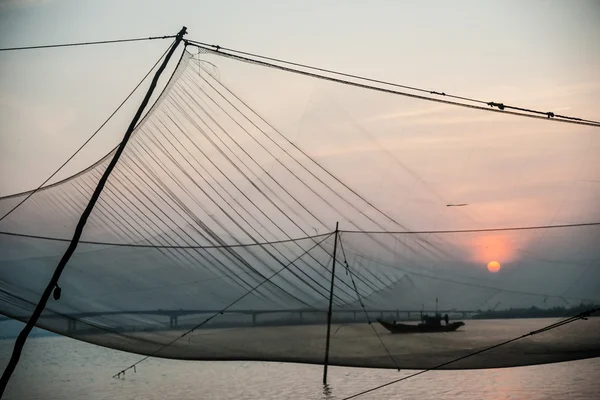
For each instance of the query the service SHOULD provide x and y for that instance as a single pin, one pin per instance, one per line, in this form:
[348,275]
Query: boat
[428,325]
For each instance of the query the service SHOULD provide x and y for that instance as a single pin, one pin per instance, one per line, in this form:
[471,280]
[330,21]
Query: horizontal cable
[152,246]
[516,228]
[521,228]
[50,46]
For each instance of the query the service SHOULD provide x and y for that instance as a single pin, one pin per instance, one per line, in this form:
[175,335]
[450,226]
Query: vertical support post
[326,363]
[53,284]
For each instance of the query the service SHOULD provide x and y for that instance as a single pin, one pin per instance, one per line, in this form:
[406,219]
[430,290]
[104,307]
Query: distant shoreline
[533,312]
[11,329]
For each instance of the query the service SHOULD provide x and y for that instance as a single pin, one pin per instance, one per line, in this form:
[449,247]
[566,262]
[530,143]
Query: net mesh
[214,236]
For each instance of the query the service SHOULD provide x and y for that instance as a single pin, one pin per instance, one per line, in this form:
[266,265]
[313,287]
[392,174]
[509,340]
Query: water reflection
[65,368]
[327,392]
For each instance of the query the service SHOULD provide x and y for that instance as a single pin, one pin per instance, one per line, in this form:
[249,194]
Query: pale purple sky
[537,54]
[411,158]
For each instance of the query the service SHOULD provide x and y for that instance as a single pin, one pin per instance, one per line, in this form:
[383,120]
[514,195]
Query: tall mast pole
[326,363]
[53,284]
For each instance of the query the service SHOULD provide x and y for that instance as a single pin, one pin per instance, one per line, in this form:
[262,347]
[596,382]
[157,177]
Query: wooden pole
[53,284]
[326,363]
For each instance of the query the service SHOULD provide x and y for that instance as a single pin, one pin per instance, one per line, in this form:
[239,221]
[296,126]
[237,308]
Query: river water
[63,368]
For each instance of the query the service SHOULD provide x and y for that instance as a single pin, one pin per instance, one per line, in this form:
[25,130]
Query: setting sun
[493,266]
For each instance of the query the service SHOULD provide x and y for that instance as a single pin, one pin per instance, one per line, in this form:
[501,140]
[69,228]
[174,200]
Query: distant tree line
[534,312]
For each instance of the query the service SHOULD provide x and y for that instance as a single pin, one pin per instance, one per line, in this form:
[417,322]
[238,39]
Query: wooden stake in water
[330,305]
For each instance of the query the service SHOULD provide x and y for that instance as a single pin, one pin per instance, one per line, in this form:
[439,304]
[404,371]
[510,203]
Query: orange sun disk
[493,266]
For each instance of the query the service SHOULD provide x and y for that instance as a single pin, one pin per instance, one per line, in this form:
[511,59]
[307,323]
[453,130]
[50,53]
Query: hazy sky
[538,54]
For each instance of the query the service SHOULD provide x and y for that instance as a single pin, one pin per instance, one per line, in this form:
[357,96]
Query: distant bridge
[174,315]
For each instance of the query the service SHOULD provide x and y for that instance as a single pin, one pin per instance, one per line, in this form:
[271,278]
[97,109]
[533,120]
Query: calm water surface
[62,368]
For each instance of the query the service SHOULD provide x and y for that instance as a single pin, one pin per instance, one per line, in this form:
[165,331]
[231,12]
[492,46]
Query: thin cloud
[405,114]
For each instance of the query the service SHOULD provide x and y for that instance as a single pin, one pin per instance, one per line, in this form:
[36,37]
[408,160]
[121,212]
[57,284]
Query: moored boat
[396,327]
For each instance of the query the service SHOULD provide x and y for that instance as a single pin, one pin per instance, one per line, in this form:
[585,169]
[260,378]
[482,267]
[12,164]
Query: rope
[268,190]
[122,372]
[494,107]
[341,197]
[157,101]
[88,140]
[516,228]
[218,48]
[53,284]
[362,305]
[50,46]
[582,315]
[500,106]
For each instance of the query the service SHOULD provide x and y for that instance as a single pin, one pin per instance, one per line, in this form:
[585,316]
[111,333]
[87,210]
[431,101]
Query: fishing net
[215,234]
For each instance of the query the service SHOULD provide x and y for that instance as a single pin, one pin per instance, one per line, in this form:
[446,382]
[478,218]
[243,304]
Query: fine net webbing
[224,203]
